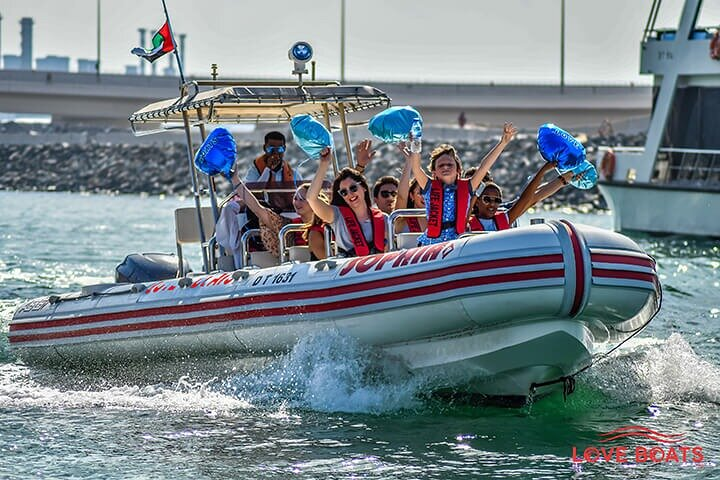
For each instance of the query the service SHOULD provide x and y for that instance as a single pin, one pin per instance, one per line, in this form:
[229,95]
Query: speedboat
[500,314]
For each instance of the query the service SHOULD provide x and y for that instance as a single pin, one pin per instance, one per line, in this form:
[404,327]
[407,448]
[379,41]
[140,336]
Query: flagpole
[175,49]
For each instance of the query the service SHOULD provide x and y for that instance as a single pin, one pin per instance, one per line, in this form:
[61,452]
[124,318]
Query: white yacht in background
[672,185]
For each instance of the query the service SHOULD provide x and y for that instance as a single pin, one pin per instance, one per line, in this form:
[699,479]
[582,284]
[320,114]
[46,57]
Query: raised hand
[509,131]
[364,153]
[325,155]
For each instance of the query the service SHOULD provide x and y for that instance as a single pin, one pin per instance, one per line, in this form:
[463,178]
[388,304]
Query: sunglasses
[300,197]
[388,194]
[487,199]
[271,150]
[352,189]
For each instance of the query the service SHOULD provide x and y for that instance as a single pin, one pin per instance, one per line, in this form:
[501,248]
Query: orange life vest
[715,46]
[435,224]
[360,244]
[607,165]
[502,222]
[261,165]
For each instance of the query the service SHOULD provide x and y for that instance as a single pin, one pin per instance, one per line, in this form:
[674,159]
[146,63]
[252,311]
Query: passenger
[359,229]
[447,196]
[271,222]
[385,193]
[409,196]
[385,189]
[314,234]
[487,214]
[271,170]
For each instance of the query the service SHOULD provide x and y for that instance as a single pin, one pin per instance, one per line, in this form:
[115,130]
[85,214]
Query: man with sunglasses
[270,166]
[385,193]
[270,170]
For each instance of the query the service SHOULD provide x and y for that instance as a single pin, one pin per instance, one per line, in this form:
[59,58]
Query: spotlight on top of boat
[300,53]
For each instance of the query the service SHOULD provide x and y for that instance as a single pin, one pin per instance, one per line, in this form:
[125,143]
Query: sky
[448,41]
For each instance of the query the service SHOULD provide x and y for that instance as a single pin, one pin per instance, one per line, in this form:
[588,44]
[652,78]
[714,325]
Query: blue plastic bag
[392,125]
[217,154]
[557,145]
[311,136]
[589,178]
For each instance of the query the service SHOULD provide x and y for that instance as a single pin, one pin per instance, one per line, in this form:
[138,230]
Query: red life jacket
[462,202]
[502,222]
[413,225]
[298,239]
[360,245]
[261,165]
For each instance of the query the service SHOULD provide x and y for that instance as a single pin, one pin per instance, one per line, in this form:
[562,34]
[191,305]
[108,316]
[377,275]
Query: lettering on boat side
[274,278]
[33,305]
[224,278]
[377,262]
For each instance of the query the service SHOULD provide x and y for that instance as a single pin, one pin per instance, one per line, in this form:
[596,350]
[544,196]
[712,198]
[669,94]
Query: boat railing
[687,166]
[245,246]
[402,213]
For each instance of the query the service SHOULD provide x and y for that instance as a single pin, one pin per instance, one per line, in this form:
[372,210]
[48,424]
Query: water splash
[668,372]
[21,387]
[331,372]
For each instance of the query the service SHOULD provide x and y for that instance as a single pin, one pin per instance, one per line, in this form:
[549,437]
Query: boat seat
[263,259]
[407,240]
[299,254]
[188,231]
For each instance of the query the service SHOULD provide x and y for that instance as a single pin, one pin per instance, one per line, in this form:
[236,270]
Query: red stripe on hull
[299,309]
[579,269]
[623,259]
[624,274]
[290,296]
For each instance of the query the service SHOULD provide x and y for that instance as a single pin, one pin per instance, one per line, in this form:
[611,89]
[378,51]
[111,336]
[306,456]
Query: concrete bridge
[110,99]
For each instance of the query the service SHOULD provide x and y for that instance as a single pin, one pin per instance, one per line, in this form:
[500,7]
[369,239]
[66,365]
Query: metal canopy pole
[211,181]
[326,112]
[346,135]
[195,192]
[562,46]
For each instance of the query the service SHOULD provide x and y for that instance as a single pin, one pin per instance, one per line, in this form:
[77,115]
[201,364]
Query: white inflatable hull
[491,314]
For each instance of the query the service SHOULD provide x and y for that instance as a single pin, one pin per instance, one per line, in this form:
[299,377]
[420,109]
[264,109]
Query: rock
[163,169]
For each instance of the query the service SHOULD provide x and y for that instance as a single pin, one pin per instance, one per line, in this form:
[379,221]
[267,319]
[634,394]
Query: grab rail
[294,227]
[402,213]
[244,250]
[282,235]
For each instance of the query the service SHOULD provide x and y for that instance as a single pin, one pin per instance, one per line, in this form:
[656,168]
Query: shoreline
[162,169]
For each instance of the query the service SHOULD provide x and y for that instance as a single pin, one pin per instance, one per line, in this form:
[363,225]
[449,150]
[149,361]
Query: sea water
[333,408]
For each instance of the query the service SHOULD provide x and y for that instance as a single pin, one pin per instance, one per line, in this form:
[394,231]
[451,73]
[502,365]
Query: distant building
[53,63]
[131,70]
[86,65]
[26,41]
[12,62]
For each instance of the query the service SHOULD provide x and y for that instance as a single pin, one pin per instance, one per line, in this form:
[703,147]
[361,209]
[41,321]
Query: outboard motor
[148,267]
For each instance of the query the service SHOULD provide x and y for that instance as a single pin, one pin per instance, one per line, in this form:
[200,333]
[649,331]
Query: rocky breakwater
[163,168]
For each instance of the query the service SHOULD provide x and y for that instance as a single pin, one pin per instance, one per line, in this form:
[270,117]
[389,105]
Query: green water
[318,412]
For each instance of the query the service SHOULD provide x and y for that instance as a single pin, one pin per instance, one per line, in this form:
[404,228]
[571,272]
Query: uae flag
[162,44]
